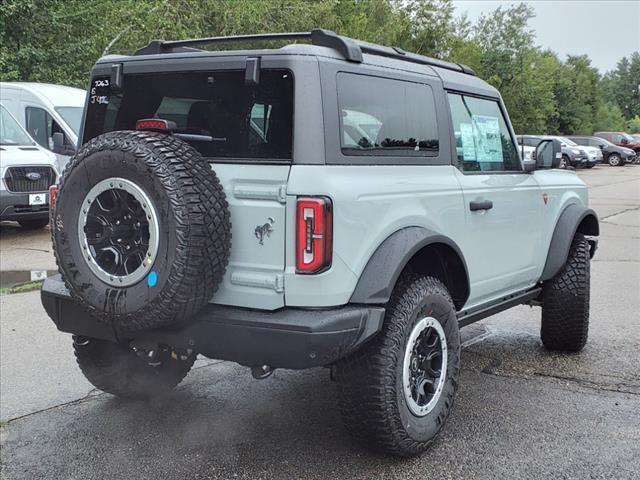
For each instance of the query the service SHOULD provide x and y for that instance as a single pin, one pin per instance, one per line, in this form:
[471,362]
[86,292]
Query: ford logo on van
[33,176]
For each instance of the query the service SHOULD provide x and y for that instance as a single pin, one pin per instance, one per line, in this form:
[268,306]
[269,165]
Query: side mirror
[60,147]
[624,140]
[548,154]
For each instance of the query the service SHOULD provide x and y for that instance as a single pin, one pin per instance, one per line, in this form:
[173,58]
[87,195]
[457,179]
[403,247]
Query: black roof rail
[349,48]
[395,52]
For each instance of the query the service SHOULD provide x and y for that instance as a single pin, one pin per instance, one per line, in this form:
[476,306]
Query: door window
[483,141]
[381,116]
[41,126]
[531,142]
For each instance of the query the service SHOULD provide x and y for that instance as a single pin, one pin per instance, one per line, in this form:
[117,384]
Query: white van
[45,110]
[26,173]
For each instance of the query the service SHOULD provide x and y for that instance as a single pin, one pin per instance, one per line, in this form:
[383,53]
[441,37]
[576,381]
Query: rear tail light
[53,191]
[313,234]
[157,124]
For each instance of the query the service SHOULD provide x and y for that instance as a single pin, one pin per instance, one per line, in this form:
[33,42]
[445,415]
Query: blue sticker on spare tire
[152,279]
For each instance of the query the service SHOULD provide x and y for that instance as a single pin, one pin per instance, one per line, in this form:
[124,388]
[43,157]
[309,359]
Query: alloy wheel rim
[425,366]
[118,231]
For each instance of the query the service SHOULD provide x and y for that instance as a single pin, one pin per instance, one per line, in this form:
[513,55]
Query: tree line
[58,41]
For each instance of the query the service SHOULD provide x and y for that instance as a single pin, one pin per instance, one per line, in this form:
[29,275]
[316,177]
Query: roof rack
[349,48]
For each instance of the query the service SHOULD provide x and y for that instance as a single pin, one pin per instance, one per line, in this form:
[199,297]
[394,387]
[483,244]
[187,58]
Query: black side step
[466,317]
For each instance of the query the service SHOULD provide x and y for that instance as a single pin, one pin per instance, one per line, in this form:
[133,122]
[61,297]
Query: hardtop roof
[454,80]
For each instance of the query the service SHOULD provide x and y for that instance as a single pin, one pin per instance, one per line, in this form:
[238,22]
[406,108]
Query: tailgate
[256,195]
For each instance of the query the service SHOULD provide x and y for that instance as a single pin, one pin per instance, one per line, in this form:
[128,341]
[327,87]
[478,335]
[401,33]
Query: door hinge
[249,191]
[271,281]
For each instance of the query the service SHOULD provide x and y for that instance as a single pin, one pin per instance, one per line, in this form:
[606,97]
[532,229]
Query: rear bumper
[287,338]
[15,206]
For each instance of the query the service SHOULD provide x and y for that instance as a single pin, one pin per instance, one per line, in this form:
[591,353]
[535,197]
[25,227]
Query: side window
[617,138]
[259,123]
[483,141]
[380,116]
[37,125]
[41,126]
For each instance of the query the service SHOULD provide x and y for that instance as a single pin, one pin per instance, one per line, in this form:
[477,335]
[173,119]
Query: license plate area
[37,199]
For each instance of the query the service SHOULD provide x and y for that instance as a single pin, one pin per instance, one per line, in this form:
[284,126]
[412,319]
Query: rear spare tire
[141,229]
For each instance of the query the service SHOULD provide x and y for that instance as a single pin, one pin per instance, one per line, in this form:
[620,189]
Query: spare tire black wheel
[142,232]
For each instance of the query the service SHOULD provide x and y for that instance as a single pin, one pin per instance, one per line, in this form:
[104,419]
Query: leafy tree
[58,41]
[608,118]
[577,96]
[622,85]
[633,125]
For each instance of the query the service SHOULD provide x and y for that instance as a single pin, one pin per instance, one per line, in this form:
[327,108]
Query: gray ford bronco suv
[331,203]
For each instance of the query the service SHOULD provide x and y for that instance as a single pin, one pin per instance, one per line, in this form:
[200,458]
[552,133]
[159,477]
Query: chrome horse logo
[264,231]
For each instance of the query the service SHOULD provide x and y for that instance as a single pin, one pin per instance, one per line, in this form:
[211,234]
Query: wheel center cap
[414,364]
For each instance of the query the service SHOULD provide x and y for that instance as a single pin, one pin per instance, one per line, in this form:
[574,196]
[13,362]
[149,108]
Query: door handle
[480,205]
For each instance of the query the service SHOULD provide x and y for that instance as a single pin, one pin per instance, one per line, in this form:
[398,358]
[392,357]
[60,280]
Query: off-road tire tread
[565,301]
[203,226]
[115,369]
[366,380]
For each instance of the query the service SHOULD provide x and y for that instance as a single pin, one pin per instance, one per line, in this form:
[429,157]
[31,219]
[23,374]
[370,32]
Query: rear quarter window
[381,116]
[222,116]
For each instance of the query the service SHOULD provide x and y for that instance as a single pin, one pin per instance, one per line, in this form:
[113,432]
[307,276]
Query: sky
[605,30]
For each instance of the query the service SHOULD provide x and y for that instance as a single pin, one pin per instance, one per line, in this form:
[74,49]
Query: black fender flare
[574,218]
[391,257]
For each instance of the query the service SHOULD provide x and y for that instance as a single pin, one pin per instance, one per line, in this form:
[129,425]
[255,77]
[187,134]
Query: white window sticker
[487,136]
[468,142]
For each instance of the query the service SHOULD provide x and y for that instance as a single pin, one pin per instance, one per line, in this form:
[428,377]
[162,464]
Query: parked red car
[621,139]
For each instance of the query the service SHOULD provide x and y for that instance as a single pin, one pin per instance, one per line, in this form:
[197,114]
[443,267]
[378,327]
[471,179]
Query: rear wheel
[118,369]
[614,160]
[34,224]
[396,393]
[565,301]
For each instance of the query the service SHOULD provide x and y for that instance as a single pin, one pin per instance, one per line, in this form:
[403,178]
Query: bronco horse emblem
[263,231]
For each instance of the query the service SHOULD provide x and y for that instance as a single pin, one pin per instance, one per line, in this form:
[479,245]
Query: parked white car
[45,110]
[26,173]
[594,153]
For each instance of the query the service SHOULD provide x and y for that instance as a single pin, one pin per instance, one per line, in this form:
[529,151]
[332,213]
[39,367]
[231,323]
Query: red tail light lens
[313,234]
[153,124]
[53,191]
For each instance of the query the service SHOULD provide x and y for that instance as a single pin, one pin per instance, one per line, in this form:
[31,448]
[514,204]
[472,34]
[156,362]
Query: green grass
[22,287]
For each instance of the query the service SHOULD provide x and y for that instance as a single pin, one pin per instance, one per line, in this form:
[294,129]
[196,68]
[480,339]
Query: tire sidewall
[422,429]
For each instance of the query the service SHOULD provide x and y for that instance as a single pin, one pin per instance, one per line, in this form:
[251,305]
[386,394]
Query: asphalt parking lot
[521,412]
